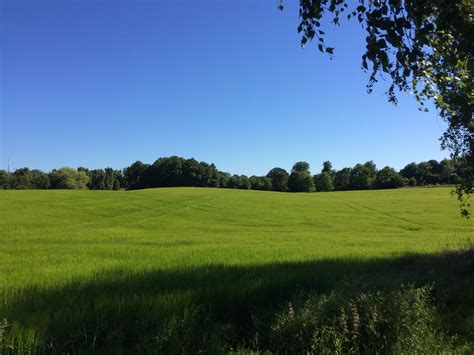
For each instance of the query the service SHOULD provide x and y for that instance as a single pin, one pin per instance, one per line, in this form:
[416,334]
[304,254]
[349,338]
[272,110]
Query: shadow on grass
[193,308]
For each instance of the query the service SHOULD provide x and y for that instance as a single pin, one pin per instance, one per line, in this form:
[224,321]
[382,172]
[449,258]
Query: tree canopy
[178,171]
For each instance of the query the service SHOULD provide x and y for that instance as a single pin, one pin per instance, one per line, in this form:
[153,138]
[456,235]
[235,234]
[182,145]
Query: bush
[401,321]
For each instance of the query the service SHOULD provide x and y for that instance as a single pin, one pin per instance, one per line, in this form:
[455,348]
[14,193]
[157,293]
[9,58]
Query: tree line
[176,171]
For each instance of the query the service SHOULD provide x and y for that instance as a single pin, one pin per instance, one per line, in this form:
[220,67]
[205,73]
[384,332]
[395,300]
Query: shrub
[401,321]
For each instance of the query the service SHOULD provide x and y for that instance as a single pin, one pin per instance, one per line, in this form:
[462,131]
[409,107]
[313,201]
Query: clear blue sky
[105,83]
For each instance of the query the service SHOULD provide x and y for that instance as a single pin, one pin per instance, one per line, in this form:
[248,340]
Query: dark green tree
[131,175]
[300,182]
[118,179]
[96,179]
[21,179]
[223,179]
[300,166]
[109,179]
[323,182]
[372,168]
[234,181]
[447,173]
[244,183]
[40,180]
[4,179]
[410,171]
[361,177]
[279,179]
[300,179]
[260,183]
[342,179]
[327,167]
[388,178]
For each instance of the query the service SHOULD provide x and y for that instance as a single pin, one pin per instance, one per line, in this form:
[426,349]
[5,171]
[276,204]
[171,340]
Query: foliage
[133,173]
[323,182]
[260,183]
[96,179]
[300,167]
[342,179]
[279,179]
[21,179]
[361,177]
[327,167]
[400,321]
[300,179]
[433,172]
[177,171]
[40,180]
[388,178]
[68,178]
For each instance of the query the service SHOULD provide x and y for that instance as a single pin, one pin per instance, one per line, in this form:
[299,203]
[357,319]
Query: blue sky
[105,83]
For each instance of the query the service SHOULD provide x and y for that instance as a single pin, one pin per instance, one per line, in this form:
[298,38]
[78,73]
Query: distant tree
[234,181]
[327,167]
[323,181]
[118,179]
[223,179]
[424,173]
[300,179]
[132,174]
[68,178]
[255,182]
[191,173]
[260,183]
[208,175]
[21,179]
[279,178]
[96,179]
[410,171]
[300,166]
[109,179]
[435,167]
[266,183]
[342,179]
[300,182]
[81,168]
[4,180]
[388,178]
[244,182]
[433,175]
[372,168]
[164,172]
[361,177]
[40,180]
[447,173]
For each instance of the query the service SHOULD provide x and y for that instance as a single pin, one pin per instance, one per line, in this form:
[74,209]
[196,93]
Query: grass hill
[189,269]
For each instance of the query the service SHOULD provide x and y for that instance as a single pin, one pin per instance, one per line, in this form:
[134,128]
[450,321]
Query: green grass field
[108,270]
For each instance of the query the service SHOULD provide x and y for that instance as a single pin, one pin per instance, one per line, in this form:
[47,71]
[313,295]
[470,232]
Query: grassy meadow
[199,269]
